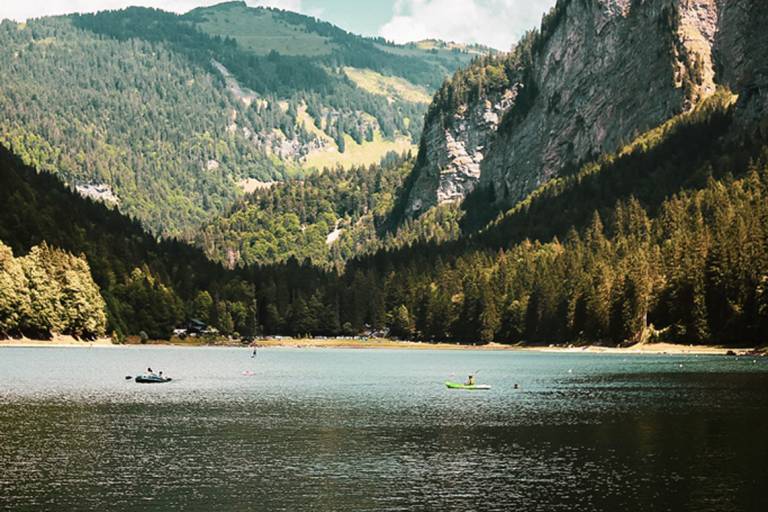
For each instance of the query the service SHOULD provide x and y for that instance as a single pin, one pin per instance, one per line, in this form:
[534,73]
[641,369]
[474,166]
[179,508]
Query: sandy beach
[330,343]
[59,340]
[645,348]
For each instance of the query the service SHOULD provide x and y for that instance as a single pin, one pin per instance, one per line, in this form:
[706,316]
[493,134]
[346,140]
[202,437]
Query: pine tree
[302,319]
[224,321]
[84,308]
[202,307]
[46,311]
[490,320]
[14,298]
[403,325]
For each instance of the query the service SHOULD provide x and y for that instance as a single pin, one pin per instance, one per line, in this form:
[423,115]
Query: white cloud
[496,23]
[21,10]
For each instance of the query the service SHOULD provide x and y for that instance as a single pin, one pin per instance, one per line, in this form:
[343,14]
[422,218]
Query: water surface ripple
[375,430]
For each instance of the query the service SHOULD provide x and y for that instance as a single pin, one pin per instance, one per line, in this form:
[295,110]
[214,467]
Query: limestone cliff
[597,74]
[741,53]
[455,152]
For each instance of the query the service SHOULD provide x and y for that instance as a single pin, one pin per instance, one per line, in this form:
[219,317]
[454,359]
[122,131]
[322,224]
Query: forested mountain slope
[147,285]
[609,254]
[134,116]
[324,217]
[666,238]
[170,118]
[330,218]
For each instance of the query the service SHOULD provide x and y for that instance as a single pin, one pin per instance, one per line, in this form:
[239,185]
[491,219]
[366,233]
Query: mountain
[148,286]
[612,174]
[509,123]
[678,254]
[170,118]
[664,239]
[328,218]
[598,73]
[599,203]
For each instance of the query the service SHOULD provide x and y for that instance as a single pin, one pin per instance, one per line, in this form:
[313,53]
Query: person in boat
[471,380]
[161,374]
[150,371]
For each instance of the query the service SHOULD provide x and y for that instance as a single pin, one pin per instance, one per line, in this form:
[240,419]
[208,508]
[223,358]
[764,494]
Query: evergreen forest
[151,174]
[661,240]
[166,119]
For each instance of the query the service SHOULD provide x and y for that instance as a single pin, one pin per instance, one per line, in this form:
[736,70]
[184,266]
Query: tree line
[664,239]
[133,115]
[49,291]
[132,99]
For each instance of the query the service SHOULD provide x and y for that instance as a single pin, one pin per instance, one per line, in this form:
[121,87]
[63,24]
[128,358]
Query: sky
[496,23]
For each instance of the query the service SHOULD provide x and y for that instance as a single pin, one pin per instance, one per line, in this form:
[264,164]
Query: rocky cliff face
[601,72]
[454,151]
[741,53]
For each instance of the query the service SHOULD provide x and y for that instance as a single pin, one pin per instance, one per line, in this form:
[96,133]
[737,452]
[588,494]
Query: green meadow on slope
[163,115]
[616,260]
[664,238]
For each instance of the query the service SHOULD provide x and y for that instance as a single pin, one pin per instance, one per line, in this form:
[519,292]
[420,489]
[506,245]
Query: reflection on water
[356,430]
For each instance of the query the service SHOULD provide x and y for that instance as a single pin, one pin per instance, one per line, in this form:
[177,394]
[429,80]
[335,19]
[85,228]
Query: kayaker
[471,380]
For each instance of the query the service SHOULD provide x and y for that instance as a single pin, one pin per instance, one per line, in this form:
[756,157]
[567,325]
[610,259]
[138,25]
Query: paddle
[474,374]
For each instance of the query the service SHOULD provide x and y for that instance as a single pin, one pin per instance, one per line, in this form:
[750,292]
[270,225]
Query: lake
[376,430]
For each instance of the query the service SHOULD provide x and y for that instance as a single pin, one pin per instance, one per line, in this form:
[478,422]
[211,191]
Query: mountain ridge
[141,114]
[663,236]
[571,91]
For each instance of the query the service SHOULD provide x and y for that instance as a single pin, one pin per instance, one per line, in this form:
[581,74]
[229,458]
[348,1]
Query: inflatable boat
[152,379]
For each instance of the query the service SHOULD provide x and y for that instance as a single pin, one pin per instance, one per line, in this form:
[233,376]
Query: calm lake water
[365,430]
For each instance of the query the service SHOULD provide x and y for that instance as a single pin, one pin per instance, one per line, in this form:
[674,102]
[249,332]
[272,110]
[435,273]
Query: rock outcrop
[455,151]
[601,72]
[741,53]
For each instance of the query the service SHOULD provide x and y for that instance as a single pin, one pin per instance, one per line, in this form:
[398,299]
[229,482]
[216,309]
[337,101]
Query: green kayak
[472,387]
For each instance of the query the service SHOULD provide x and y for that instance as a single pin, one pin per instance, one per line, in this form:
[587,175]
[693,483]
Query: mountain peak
[263,94]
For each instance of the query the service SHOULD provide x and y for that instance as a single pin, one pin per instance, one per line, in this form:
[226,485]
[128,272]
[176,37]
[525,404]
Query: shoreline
[58,340]
[643,348]
[385,344]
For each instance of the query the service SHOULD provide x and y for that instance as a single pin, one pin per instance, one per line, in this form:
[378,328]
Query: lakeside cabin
[194,327]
